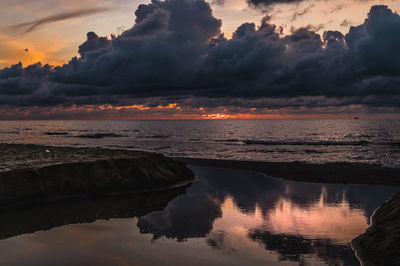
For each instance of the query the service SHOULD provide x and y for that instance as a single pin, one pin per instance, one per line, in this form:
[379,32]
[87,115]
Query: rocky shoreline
[380,244]
[32,174]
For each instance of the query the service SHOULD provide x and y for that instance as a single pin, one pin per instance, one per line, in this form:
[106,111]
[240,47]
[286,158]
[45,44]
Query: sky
[193,59]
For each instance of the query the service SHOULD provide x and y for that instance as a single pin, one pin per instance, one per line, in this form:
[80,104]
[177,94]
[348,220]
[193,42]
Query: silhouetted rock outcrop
[380,244]
[57,172]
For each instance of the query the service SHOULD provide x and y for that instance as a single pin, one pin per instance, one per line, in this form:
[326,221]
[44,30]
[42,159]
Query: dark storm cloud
[176,51]
[33,25]
[266,3]
[300,13]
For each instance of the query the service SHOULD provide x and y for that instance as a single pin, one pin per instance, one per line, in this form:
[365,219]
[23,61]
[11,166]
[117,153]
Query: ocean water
[312,141]
[226,217]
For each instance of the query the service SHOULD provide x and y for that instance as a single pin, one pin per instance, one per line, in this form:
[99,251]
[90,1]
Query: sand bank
[345,173]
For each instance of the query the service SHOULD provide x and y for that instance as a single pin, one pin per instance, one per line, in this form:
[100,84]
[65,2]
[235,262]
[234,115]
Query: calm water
[227,217]
[314,141]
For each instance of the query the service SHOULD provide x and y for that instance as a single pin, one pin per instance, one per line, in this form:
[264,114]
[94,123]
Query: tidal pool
[227,217]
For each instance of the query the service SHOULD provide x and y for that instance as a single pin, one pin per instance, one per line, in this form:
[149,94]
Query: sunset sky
[196,59]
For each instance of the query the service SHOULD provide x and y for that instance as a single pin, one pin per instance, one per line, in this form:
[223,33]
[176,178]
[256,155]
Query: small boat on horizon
[356,118]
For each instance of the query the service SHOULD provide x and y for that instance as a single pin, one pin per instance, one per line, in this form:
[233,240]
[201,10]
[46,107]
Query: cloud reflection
[225,205]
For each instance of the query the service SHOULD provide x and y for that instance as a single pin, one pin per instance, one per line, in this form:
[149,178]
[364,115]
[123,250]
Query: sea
[311,141]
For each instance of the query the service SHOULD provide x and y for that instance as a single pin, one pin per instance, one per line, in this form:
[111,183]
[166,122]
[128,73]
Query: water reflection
[338,222]
[296,220]
[45,217]
[227,217]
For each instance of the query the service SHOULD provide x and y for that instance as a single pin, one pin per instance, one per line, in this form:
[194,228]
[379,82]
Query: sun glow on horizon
[216,116]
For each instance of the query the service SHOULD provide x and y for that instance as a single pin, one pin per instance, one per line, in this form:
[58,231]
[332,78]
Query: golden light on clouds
[13,51]
[216,116]
[320,15]
[57,43]
[140,107]
[171,111]
[136,106]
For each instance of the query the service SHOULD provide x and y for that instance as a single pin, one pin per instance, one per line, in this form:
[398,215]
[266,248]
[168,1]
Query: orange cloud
[110,107]
[13,51]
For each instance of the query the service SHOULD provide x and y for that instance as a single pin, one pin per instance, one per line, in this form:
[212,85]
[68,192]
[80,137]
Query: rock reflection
[189,216]
[22,221]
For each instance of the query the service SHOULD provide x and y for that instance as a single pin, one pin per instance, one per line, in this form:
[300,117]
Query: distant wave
[357,136]
[56,133]
[268,151]
[281,150]
[154,137]
[100,135]
[161,148]
[9,132]
[295,143]
[131,130]
[397,144]
[306,143]
[313,151]
[228,140]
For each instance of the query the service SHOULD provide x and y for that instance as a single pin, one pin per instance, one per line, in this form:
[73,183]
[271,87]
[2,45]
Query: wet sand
[343,173]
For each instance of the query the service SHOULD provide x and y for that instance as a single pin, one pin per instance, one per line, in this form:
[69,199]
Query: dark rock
[380,244]
[58,173]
